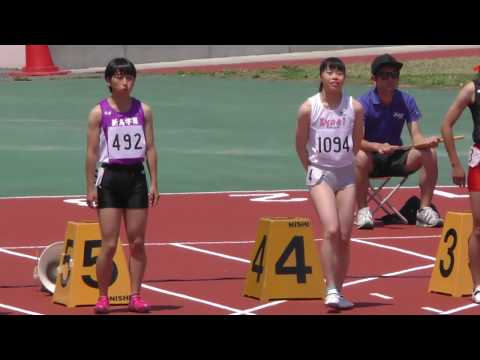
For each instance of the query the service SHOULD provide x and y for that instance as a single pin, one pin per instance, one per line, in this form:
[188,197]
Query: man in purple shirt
[387,109]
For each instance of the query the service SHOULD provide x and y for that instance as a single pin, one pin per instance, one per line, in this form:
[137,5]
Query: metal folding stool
[382,202]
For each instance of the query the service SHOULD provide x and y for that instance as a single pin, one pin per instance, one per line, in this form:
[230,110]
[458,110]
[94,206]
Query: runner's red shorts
[473,180]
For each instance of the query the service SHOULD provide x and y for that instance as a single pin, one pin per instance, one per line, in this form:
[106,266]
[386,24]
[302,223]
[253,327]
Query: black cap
[384,60]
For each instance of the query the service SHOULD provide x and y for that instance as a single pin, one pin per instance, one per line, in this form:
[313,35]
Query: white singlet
[330,143]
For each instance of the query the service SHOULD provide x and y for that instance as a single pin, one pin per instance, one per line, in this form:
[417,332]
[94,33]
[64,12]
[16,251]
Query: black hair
[331,63]
[119,65]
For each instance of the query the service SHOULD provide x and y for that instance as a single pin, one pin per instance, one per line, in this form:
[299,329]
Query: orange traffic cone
[38,62]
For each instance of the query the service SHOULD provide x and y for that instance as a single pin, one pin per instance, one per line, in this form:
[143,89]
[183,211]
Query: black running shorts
[123,187]
[390,165]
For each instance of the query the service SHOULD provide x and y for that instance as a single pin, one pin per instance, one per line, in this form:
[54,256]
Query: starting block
[284,262]
[76,282]
[451,274]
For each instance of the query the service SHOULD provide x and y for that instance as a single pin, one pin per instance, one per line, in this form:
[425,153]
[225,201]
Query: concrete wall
[12,56]
[84,56]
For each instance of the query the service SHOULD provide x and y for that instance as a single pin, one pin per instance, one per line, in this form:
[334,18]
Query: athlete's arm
[464,98]
[301,139]
[151,154]
[93,140]
[381,148]
[358,126]
[418,138]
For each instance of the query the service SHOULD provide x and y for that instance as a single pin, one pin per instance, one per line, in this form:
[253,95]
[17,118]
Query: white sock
[332,291]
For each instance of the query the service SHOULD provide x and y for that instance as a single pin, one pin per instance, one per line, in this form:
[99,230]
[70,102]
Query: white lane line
[432,309]
[24,247]
[382,296]
[355,282]
[18,254]
[345,285]
[398,237]
[240,242]
[282,301]
[147,244]
[248,311]
[161,194]
[17,309]
[408,270]
[40,197]
[268,197]
[450,195]
[191,298]
[394,249]
[152,288]
[458,309]
[212,253]
[203,192]
[201,243]
[244,312]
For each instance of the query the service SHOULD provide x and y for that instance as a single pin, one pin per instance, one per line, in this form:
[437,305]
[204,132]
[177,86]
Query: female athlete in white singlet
[329,133]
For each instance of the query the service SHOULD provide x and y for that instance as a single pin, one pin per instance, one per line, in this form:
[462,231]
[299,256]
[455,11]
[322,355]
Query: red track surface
[180,279]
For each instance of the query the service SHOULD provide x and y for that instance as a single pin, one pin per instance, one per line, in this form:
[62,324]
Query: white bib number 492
[126,142]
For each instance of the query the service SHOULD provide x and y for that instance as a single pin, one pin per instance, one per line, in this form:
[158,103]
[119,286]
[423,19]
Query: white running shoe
[335,300]
[427,217]
[476,295]
[364,219]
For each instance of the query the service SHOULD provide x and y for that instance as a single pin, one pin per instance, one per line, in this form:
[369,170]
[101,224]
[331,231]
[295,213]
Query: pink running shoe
[137,304]
[102,306]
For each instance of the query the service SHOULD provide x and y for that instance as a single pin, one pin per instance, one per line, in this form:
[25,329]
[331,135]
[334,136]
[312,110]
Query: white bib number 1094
[333,144]
[126,142]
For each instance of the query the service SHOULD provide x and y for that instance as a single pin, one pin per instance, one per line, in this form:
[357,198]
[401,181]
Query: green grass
[444,72]
[433,73]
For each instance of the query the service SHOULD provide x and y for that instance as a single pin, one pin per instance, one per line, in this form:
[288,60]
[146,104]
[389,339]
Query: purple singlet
[122,137]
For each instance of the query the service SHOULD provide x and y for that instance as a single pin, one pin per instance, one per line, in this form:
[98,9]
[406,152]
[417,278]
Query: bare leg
[135,224]
[427,161]
[345,205]
[474,242]
[110,228]
[362,169]
[325,204]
